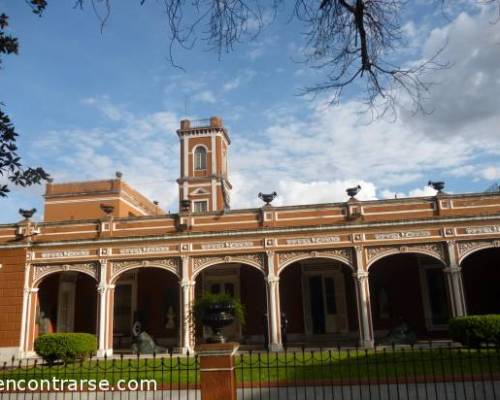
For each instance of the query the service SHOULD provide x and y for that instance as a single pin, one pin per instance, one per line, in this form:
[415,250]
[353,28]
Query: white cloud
[424,191]
[464,100]
[232,84]
[143,148]
[313,159]
[104,105]
[205,96]
[491,173]
[305,157]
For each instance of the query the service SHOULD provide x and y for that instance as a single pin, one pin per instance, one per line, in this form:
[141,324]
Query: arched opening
[481,280]
[317,297]
[409,288]
[67,302]
[148,296]
[245,283]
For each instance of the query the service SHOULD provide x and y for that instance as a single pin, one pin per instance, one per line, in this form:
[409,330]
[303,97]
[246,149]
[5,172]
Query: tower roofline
[203,126]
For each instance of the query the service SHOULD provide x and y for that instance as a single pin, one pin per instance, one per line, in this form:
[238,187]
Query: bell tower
[203,182]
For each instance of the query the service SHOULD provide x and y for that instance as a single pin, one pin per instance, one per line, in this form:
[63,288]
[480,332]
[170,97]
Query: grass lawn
[340,366]
[369,365]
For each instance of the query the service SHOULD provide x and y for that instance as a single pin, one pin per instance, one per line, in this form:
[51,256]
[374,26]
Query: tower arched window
[200,158]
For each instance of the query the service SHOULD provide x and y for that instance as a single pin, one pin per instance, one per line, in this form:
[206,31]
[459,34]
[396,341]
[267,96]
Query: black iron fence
[420,373]
[168,377]
[443,373]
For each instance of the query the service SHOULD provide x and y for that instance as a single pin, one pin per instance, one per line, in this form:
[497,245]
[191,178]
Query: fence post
[217,373]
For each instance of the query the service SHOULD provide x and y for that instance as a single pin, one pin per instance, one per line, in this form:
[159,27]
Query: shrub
[65,347]
[473,330]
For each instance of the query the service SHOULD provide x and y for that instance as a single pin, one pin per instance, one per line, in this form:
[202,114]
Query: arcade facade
[335,274]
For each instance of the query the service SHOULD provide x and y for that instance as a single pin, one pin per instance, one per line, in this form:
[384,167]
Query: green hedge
[65,347]
[473,330]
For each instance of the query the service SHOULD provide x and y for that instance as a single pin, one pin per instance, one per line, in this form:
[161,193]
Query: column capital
[29,290]
[452,269]
[185,283]
[360,275]
[358,257]
[272,279]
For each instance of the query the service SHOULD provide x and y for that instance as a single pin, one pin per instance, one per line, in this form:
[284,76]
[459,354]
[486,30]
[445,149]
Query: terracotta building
[341,273]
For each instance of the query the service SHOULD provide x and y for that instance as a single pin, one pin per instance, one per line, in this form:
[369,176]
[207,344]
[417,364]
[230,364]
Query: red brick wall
[11,295]
[481,278]
[291,298]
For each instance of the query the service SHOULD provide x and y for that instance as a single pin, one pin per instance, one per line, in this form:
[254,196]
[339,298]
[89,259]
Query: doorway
[325,308]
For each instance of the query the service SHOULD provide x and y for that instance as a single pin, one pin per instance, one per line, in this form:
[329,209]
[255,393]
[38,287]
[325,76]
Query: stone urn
[217,316]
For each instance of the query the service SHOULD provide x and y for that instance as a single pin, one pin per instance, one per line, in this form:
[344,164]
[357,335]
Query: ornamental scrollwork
[41,271]
[341,253]
[465,248]
[171,264]
[255,259]
[433,249]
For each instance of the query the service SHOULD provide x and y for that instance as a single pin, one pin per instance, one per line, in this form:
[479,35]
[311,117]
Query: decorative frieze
[344,254]
[433,249]
[226,245]
[255,259]
[402,235]
[40,271]
[465,248]
[143,250]
[481,230]
[65,254]
[170,264]
[313,240]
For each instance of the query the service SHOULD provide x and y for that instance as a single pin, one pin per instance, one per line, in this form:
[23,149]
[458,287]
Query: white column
[362,287]
[454,284]
[273,312]
[26,317]
[103,289]
[187,286]
[185,164]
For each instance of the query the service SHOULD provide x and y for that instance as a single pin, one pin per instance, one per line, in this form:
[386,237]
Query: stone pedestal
[217,373]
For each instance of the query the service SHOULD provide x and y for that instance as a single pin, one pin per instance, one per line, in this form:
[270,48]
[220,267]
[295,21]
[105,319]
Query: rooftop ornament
[353,191]
[118,174]
[438,185]
[107,208]
[185,205]
[267,197]
[27,214]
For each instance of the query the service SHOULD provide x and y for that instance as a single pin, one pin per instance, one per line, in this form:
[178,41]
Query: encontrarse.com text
[70,385]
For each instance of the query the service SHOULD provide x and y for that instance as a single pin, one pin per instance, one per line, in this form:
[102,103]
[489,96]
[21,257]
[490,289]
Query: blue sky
[88,104]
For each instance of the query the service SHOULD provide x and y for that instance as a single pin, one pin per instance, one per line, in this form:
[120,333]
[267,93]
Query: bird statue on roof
[353,191]
[107,208]
[437,185]
[267,197]
[27,214]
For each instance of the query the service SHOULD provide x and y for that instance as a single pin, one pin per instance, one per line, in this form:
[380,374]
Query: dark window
[200,158]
